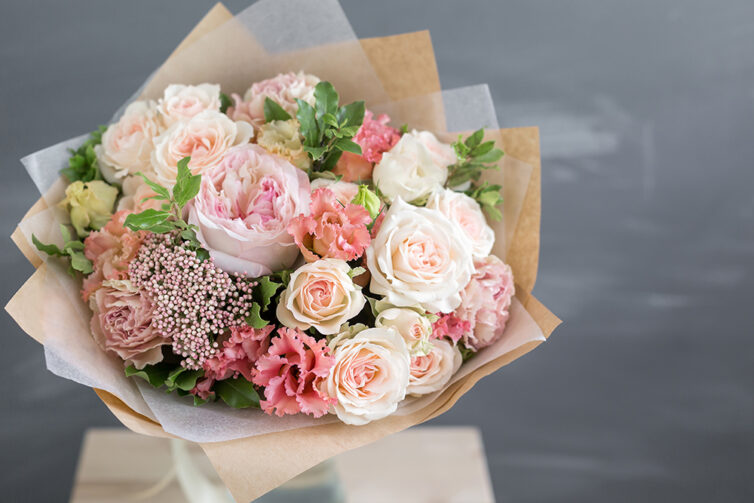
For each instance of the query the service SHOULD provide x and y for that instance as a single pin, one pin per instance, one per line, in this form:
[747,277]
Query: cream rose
[243,209]
[410,170]
[322,295]
[442,153]
[344,191]
[410,324]
[206,138]
[127,145]
[180,102]
[419,258]
[465,212]
[136,194]
[431,372]
[370,375]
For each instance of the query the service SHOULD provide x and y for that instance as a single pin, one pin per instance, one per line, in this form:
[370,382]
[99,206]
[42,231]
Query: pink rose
[283,89]
[180,102]
[122,324]
[431,372]
[110,249]
[244,207]
[332,229]
[135,194]
[374,137]
[291,373]
[205,137]
[485,302]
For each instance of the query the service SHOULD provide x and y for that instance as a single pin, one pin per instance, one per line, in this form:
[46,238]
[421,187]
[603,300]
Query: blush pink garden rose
[431,372]
[411,324]
[135,196]
[122,324]
[110,249]
[127,145]
[332,229]
[465,212]
[244,207]
[370,375]
[237,356]
[291,372]
[374,137]
[283,89]
[419,258]
[206,137]
[485,302]
[322,295]
[180,102]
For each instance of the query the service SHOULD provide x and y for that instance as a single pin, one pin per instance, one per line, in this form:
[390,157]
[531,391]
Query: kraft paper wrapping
[405,67]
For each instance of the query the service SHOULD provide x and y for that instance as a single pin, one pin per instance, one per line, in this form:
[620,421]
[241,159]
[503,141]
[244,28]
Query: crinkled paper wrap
[251,451]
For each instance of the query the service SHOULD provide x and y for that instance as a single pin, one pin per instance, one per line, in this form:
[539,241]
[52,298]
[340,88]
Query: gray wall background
[646,111]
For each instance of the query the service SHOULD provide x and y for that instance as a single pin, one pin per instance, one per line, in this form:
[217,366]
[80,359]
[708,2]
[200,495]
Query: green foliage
[225,102]
[170,217]
[156,375]
[327,128]
[274,112]
[82,165]
[73,249]
[238,393]
[475,156]
[466,353]
[369,200]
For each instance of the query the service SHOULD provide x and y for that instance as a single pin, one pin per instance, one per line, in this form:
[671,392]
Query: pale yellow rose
[89,204]
[283,139]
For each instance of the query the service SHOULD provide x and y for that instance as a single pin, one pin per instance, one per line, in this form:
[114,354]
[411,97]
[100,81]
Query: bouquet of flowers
[304,237]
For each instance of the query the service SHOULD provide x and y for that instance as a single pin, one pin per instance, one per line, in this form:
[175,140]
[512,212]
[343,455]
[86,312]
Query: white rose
[322,295]
[180,102]
[465,212]
[413,326]
[410,170]
[344,191]
[370,375]
[431,372]
[127,145]
[442,153]
[419,258]
[206,138]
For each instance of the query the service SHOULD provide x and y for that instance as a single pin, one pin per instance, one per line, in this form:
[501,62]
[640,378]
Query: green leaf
[153,374]
[326,99]
[316,153]
[80,263]
[238,393]
[348,146]
[266,289]
[149,220]
[352,114]
[475,139]
[356,271]
[225,102]
[254,319]
[186,185]
[82,165]
[330,120]
[368,199]
[308,123]
[65,233]
[162,192]
[331,159]
[50,249]
[490,157]
[274,112]
[183,379]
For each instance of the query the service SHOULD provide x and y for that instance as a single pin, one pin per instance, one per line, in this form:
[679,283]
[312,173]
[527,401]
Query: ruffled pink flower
[485,303]
[451,326]
[284,89]
[332,230]
[110,249]
[291,373]
[375,138]
[239,353]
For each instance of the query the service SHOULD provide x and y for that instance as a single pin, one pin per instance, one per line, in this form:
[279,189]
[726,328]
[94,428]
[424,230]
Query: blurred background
[646,111]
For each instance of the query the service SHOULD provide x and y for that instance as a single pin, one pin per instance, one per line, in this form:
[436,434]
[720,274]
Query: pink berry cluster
[195,301]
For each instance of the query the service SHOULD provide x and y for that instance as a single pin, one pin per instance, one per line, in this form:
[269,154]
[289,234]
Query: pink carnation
[110,249]
[332,230]
[485,302]
[375,138]
[449,325]
[239,353]
[291,373]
